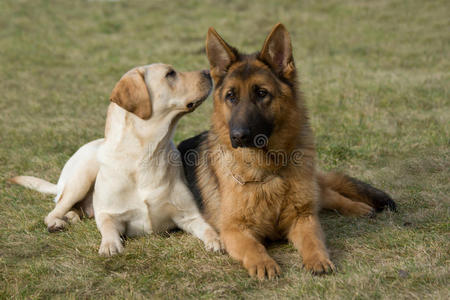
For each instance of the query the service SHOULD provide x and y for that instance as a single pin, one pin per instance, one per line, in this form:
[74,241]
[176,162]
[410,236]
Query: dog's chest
[153,195]
[261,204]
[138,200]
[135,184]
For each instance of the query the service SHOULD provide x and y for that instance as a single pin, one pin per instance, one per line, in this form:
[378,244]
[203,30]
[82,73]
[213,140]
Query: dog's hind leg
[75,190]
[72,216]
[355,190]
[82,209]
[75,185]
[78,208]
[335,201]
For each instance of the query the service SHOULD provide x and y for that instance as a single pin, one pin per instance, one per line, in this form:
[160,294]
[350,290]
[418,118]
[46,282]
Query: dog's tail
[357,190]
[35,183]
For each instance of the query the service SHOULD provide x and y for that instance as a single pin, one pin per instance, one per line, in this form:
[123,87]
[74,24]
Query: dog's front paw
[55,224]
[261,266]
[318,264]
[110,247]
[212,241]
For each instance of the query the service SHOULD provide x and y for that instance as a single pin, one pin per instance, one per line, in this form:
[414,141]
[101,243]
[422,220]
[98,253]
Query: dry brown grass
[376,78]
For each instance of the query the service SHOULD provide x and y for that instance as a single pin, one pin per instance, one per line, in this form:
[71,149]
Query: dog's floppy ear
[220,54]
[131,94]
[277,51]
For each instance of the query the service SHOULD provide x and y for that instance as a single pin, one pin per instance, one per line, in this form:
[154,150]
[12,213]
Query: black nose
[207,76]
[239,137]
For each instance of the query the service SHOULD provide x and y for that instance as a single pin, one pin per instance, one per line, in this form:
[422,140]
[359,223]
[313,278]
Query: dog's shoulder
[190,150]
[193,143]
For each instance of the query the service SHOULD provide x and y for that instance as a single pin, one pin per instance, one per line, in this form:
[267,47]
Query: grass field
[376,77]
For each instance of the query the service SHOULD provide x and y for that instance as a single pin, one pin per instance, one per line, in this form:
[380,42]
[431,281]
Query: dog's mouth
[192,105]
[206,88]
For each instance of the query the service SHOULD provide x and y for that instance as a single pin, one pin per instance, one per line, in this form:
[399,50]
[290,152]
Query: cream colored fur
[134,174]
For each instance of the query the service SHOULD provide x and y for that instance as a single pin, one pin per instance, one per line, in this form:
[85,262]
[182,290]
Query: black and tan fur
[248,194]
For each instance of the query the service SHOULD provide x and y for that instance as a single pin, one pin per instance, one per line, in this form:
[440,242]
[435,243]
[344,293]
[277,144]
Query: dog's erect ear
[131,94]
[277,51]
[220,54]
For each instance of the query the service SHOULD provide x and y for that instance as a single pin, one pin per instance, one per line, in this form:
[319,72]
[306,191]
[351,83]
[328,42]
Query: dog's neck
[127,133]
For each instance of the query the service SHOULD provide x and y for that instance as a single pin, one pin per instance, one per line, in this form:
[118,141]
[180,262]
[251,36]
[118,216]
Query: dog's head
[159,89]
[253,93]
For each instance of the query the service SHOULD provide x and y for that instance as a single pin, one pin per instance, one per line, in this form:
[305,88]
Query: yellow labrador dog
[133,180]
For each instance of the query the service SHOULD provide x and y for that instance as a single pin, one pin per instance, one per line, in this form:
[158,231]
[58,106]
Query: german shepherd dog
[254,171]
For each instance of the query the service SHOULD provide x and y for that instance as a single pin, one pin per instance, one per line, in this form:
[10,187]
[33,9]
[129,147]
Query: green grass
[376,78]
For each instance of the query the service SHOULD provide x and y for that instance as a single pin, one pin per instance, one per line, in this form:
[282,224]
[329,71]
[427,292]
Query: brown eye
[261,93]
[171,74]
[230,96]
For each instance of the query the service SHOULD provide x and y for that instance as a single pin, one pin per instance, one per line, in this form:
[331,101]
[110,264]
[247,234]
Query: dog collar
[241,180]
